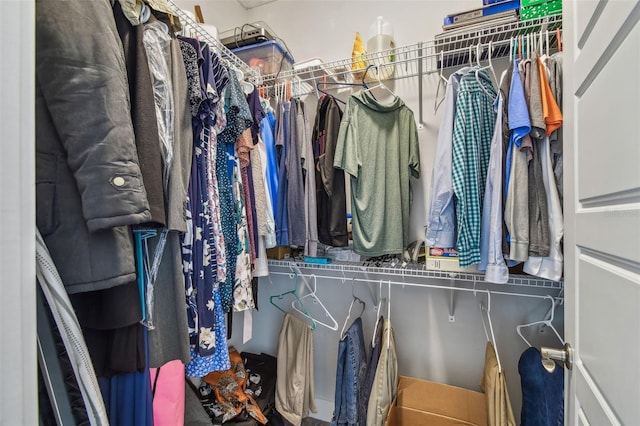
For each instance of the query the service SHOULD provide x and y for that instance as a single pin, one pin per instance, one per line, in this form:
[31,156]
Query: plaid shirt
[472,131]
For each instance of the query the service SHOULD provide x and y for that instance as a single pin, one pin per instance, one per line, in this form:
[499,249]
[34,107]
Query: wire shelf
[449,49]
[226,55]
[412,270]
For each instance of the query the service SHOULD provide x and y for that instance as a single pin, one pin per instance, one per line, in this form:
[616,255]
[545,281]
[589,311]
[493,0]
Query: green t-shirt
[378,146]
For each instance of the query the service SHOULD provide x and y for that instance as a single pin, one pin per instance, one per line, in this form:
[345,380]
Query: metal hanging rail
[226,55]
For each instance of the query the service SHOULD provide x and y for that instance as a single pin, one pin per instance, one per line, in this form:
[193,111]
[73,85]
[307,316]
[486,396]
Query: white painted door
[602,210]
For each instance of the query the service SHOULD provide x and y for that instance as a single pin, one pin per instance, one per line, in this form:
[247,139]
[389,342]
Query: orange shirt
[550,109]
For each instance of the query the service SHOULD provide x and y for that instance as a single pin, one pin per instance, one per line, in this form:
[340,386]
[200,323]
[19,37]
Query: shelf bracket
[420,72]
[452,292]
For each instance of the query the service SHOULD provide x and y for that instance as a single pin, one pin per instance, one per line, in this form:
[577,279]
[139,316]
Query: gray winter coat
[89,186]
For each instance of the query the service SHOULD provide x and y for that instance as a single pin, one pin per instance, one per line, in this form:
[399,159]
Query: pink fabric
[168,401]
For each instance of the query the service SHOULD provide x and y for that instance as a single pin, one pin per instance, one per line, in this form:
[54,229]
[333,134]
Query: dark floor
[314,422]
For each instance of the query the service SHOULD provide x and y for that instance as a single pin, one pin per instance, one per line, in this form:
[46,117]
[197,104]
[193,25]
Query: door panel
[602,210]
[604,40]
[611,230]
[603,125]
[609,368]
[591,408]
[585,11]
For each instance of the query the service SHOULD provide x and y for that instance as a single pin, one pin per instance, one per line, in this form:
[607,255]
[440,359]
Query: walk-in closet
[440,228]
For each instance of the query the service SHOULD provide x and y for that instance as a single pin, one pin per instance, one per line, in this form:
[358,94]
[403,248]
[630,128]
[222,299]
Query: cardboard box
[421,402]
[282,252]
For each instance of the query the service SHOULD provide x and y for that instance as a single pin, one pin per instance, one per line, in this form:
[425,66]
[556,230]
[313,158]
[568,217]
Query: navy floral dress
[207,327]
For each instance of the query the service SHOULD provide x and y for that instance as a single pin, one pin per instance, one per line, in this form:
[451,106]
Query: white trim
[18,387]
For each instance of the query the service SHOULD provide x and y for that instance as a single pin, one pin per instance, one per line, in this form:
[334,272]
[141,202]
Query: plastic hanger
[489,66]
[559,39]
[389,313]
[491,337]
[380,83]
[477,71]
[546,322]
[333,324]
[353,300]
[375,328]
[336,83]
[441,80]
[294,293]
[247,87]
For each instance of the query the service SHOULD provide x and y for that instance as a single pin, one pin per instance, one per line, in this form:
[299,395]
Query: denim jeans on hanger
[542,392]
[350,374]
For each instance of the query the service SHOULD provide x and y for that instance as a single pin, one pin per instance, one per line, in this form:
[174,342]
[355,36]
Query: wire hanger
[294,293]
[333,324]
[545,322]
[492,338]
[353,300]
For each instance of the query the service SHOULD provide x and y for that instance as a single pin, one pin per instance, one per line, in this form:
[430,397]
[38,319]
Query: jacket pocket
[46,211]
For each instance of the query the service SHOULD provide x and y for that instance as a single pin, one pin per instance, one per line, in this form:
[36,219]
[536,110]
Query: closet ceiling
[249,4]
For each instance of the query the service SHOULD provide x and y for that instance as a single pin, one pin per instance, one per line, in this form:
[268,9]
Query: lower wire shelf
[407,270]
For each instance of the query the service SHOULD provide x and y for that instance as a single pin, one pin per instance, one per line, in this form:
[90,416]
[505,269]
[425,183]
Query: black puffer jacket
[89,186]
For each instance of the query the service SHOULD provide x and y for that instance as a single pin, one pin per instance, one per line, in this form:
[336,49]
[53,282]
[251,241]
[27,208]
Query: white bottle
[381,39]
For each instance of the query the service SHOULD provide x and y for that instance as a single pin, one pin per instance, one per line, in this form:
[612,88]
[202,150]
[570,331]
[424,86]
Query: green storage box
[539,9]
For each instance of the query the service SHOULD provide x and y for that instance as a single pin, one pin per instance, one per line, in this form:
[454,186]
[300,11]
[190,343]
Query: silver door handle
[550,355]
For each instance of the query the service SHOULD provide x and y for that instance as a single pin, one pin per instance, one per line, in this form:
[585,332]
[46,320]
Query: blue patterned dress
[207,328]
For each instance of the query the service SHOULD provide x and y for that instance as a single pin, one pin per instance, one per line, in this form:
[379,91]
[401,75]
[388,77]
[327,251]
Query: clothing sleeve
[441,222]
[414,149]
[327,160]
[491,257]
[517,207]
[82,77]
[347,155]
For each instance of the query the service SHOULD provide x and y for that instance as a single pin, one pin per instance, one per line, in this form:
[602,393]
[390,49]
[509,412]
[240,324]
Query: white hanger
[375,328]
[441,79]
[333,325]
[389,314]
[379,85]
[511,50]
[546,322]
[480,68]
[491,339]
[247,87]
[353,300]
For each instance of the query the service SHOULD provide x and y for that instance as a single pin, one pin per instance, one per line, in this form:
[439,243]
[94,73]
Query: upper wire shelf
[449,49]
[226,55]
[414,270]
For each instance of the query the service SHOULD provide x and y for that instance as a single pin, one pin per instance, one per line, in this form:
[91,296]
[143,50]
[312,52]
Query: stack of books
[492,12]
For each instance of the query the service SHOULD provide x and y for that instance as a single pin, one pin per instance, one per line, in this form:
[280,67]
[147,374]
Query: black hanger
[338,83]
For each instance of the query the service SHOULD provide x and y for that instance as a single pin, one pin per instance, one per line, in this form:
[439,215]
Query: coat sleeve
[81,73]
